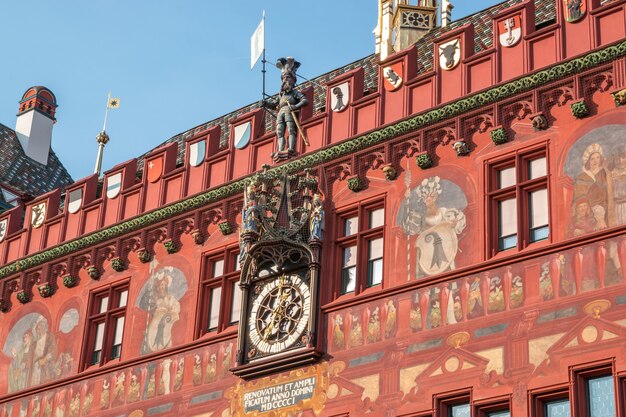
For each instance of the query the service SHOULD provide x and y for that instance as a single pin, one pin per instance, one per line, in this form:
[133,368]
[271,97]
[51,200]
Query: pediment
[457,363]
[588,331]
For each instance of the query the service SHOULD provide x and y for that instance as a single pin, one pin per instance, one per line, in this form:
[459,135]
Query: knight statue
[289,102]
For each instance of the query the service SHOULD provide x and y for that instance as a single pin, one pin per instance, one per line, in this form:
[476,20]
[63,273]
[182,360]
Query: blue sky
[174,64]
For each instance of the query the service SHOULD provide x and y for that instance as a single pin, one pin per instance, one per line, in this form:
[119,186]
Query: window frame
[580,376]
[230,277]
[445,402]
[360,239]
[109,318]
[539,400]
[493,405]
[522,189]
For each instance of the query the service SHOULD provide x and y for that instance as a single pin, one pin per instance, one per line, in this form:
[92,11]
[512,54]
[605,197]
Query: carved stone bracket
[499,136]
[580,109]
[390,172]
[461,148]
[539,121]
[424,160]
[619,97]
[354,183]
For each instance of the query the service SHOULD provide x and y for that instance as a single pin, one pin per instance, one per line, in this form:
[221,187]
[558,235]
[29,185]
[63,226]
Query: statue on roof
[289,102]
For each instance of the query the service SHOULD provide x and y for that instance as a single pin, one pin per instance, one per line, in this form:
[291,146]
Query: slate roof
[25,175]
[545,13]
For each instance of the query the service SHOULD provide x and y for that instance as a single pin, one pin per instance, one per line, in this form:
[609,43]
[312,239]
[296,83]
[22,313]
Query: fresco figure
[618,180]
[593,184]
[159,297]
[433,212]
[44,354]
[21,363]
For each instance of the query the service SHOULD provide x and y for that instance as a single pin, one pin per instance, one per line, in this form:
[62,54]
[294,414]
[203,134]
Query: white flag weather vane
[257,42]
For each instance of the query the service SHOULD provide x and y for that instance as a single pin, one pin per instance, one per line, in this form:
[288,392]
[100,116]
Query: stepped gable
[24,174]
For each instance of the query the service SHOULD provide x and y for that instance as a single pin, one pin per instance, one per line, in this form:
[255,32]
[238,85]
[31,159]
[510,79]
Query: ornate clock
[280,242]
[280,312]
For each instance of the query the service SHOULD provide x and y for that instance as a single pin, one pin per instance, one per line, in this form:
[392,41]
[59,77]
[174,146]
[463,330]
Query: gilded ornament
[596,307]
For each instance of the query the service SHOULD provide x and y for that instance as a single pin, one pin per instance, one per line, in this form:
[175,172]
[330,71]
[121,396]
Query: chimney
[35,119]
[401,24]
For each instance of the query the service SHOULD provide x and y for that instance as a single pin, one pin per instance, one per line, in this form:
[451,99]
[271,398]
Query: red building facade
[474,190]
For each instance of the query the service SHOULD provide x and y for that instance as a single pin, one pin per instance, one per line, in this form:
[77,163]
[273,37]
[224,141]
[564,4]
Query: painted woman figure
[593,184]
[437,244]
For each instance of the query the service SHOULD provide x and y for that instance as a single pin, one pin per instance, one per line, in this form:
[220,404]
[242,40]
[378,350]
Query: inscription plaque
[279,396]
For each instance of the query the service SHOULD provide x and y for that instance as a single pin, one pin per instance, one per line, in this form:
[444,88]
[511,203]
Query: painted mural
[159,297]
[596,163]
[155,381]
[33,351]
[432,216]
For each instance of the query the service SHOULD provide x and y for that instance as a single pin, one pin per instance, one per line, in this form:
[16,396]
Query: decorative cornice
[329,154]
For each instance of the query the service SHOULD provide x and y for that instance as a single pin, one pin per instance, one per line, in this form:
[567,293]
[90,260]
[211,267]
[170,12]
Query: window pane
[375,262]
[235,309]
[214,308]
[374,272]
[348,270]
[350,226]
[349,256]
[558,408]
[377,218]
[539,208]
[506,177]
[116,349]
[601,397]
[237,265]
[99,337]
[104,304]
[119,331]
[506,413]
[537,168]
[123,299]
[375,249]
[507,223]
[460,410]
[218,268]
[348,279]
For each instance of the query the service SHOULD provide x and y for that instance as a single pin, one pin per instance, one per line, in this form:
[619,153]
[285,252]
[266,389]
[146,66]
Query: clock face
[279,314]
